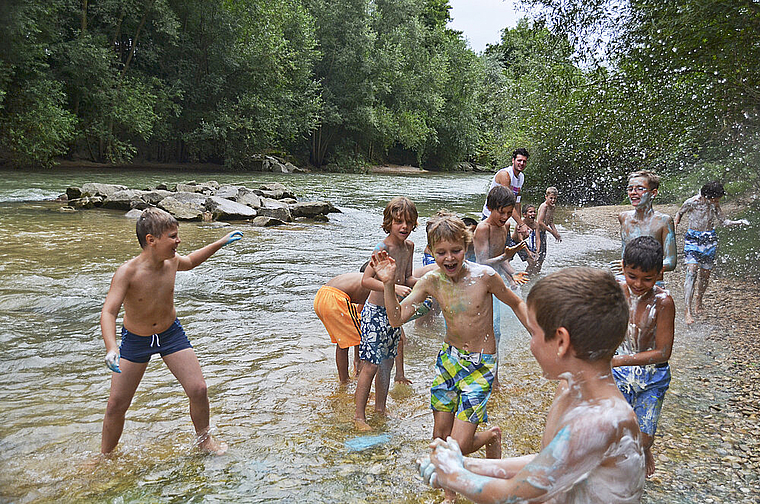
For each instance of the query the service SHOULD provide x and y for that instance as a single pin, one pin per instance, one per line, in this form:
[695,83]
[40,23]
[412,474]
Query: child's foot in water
[212,446]
[493,446]
[362,425]
[649,458]
[402,379]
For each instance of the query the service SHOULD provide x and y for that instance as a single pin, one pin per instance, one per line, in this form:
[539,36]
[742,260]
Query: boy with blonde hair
[591,448]
[544,223]
[145,286]
[467,360]
[379,340]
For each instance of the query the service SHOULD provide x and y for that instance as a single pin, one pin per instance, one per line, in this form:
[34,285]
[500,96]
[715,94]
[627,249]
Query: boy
[338,304]
[529,254]
[490,243]
[545,222]
[643,220]
[467,361]
[640,366]
[145,286]
[591,449]
[379,340]
[701,241]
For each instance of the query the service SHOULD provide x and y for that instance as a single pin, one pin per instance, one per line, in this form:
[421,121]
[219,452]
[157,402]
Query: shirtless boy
[530,253]
[145,286]
[467,361]
[591,448]
[643,220]
[338,304]
[640,366]
[490,243]
[379,340]
[701,241]
[545,221]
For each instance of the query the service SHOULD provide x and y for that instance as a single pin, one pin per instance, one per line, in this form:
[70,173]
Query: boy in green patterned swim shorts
[466,363]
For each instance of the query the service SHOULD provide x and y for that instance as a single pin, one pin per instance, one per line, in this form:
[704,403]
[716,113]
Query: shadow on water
[266,357]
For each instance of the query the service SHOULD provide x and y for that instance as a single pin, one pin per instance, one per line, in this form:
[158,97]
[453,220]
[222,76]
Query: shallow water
[266,357]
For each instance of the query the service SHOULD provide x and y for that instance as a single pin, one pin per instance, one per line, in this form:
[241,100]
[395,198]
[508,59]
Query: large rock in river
[310,208]
[185,205]
[224,209]
[98,189]
[125,199]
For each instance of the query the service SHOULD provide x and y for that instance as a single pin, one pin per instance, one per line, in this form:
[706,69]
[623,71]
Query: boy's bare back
[351,284]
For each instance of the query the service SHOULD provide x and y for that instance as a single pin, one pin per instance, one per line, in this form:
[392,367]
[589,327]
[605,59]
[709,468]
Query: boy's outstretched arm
[114,299]
[499,289]
[663,339]
[196,257]
[384,267]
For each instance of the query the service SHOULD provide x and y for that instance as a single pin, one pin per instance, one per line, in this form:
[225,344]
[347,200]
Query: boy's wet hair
[653,180]
[446,226]
[521,151]
[397,208]
[644,253]
[713,189]
[154,221]
[469,221]
[500,197]
[589,303]
[552,190]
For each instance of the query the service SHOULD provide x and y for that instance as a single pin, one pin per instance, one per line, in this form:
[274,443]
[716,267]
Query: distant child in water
[545,222]
[640,366]
[466,362]
[701,241]
[338,304]
[643,220]
[530,253]
[591,448]
[145,286]
[379,340]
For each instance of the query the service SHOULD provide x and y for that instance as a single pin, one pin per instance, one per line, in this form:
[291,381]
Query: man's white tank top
[517,183]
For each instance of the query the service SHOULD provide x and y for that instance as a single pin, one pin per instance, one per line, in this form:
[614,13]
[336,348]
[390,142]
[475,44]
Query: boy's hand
[233,237]
[521,278]
[384,266]
[402,291]
[558,237]
[515,248]
[427,471]
[446,458]
[112,361]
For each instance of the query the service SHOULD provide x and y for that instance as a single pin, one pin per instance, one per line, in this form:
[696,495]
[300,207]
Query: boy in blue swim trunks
[701,241]
[640,365]
[466,363]
[145,286]
[379,343]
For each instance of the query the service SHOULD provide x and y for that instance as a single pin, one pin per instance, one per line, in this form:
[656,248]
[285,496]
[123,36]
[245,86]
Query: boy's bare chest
[150,286]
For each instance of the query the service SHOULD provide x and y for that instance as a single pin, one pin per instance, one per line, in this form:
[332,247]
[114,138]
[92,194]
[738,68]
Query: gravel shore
[707,447]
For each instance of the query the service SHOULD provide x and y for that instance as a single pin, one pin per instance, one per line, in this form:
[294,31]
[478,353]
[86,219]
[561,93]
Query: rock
[84,203]
[281,213]
[276,190]
[67,209]
[154,196]
[229,192]
[124,200]
[273,203]
[103,190]
[224,209]
[133,214]
[263,221]
[73,193]
[184,205]
[309,209]
[248,197]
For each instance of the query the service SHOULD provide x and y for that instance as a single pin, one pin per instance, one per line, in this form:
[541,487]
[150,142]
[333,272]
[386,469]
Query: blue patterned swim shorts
[379,340]
[644,388]
[700,247]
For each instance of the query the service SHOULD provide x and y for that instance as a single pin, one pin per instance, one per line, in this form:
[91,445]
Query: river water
[267,359]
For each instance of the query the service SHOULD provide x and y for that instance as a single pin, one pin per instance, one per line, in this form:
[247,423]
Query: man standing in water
[512,177]
[643,220]
[701,241]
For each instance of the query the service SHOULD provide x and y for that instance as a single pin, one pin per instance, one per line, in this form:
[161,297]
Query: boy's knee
[198,391]
[117,406]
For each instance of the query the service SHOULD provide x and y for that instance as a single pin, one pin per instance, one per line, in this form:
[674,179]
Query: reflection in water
[268,361]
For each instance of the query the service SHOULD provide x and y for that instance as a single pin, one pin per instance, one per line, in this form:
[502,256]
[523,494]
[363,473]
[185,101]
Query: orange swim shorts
[340,316]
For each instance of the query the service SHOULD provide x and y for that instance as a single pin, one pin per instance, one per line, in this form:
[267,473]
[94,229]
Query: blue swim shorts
[379,340]
[462,383]
[427,259]
[140,349]
[644,388]
[700,247]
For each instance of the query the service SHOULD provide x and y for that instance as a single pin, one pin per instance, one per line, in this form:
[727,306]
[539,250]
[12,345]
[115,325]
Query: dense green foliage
[593,88]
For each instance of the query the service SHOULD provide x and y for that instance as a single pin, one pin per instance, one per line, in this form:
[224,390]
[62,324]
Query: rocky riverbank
[266,205]
[709,449]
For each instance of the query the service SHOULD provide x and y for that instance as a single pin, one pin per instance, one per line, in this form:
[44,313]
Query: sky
[481,21]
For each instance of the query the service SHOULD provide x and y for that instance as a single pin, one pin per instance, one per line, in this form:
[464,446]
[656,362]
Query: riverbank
[729,426]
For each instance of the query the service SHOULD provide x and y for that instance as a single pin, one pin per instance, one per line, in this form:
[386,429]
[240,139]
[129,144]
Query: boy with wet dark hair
[640,367]
[145,286]
[591,448]
[701,241]
[379,344]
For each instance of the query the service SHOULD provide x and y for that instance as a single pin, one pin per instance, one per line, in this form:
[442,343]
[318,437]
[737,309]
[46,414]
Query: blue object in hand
[112,361]
[234,236]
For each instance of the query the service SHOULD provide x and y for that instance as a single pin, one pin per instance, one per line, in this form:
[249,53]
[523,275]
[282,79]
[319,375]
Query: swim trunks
[140,349]
[427,259]
[379,340]
[700,247]
[462,383]
[339,315]
[644,388]
[532,246]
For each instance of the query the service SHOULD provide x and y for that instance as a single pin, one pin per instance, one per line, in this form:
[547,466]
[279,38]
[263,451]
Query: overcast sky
[481,21]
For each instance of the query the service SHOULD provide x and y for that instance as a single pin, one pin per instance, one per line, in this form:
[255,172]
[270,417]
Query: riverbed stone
[229,192]
[73,193]
[273,203]
[184,205]
[249,197]
[133,214]
[155,196]
[124,200]
[224,209]
[309,208]
[276,190]
[103,190]
[263,221]
[281,213]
